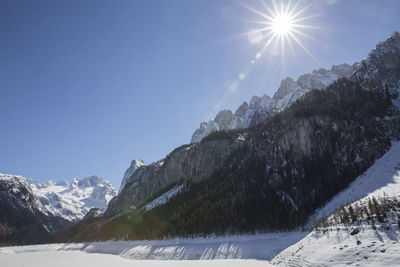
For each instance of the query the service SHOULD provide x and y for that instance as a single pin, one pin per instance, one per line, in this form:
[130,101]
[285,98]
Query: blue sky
[87,86]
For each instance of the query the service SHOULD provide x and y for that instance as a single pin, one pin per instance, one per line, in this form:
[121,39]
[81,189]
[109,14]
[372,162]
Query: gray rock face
[190,163]
[242,110]
[286,87]
[262,107]
[92,213]
[224,119]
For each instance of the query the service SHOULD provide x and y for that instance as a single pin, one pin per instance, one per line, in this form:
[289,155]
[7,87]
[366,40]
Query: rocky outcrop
[135,164]
[190,163]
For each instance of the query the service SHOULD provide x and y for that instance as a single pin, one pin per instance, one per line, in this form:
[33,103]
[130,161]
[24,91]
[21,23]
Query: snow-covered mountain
[262,107]
[296,160]
[69,200]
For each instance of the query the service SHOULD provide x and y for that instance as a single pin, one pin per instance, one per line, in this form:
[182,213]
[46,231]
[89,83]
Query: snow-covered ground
[378,247]
[77,258]
[245,250]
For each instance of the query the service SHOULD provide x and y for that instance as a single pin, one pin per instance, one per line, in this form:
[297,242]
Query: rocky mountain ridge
[262,107]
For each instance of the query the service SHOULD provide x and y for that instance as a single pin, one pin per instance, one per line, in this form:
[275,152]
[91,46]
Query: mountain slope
[374,243]
[381,180]
[23,219]
[270,176]
[279,173]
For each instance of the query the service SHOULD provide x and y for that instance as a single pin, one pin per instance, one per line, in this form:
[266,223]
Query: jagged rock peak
[224,118]
[262,107]
[135,164]
[243,108]
[286,85]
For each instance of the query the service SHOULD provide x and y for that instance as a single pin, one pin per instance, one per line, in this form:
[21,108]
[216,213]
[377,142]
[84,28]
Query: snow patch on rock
[164,197]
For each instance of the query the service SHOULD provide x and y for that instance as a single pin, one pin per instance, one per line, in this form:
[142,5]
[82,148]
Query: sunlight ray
[266,7]
[250,32]
[299,12]
[293,9]
[304,26]
[304,34]
[302,46]
[305,18]
[291,46]
[255,11]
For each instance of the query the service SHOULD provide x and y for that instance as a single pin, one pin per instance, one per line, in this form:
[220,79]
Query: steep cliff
[189,163]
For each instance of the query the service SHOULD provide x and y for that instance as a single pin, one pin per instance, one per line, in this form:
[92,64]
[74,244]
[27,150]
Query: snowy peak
[262,107]
[70,200]
[135,164]
[93,181]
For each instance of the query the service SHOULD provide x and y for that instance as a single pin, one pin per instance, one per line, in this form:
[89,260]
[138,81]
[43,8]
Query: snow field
[338,248]
[257,247]
[79,258]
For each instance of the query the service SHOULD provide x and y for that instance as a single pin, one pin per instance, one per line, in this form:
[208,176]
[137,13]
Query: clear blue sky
[87,86]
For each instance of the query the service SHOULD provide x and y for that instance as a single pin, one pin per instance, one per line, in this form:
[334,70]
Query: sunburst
[283,24]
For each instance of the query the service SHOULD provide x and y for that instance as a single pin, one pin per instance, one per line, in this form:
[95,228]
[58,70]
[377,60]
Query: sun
[283,24]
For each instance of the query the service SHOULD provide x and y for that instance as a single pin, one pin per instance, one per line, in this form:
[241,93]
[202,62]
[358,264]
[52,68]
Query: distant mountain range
[31,210]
